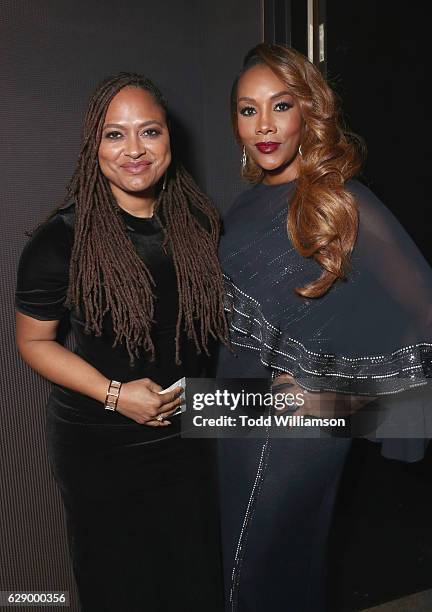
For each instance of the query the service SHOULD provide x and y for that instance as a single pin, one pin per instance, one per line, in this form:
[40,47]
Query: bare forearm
[61,366]
[140,400]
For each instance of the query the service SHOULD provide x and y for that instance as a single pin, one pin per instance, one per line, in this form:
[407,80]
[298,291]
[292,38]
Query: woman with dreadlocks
[131,260]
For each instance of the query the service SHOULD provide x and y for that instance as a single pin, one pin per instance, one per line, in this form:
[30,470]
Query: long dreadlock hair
[106,272]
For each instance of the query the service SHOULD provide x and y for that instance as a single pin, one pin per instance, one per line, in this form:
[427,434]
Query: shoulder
[367,201]
[378,228]
[43,270]
[56,226]
[200,216]
[374,216]
[364,196]
[51,241]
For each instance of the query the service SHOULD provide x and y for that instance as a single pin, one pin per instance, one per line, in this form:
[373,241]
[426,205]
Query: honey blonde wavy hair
[322,216]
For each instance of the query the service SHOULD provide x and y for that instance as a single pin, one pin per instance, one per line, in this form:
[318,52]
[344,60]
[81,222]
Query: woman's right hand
[141,401]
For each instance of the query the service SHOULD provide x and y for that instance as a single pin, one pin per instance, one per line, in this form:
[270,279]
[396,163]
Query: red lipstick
[267,147]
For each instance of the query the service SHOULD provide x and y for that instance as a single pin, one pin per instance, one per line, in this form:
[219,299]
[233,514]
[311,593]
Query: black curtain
[378,61]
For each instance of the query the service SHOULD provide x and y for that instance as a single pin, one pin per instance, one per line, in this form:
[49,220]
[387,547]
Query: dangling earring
[243,158]
[300,151]
[164,181]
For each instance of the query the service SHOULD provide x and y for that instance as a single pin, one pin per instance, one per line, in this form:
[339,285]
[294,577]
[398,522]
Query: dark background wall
[378,61]
[53,53]
[378,58]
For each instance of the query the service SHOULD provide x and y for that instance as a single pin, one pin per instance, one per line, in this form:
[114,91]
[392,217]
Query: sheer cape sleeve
[371,334]
[43,271]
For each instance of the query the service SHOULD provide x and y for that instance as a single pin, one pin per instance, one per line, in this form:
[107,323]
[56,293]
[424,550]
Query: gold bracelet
[112,395]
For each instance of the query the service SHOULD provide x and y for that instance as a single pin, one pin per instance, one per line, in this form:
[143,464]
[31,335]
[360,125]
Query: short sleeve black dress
[140,506]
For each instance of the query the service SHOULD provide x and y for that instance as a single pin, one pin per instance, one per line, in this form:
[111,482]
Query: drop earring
[300,151]
[164,184]
[243,158]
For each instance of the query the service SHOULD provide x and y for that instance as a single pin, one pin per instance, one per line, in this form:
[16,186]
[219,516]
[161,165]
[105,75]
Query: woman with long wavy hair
[131,261]
[316,270]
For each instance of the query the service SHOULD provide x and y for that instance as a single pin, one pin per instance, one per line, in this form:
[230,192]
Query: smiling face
[270,124]
[134,151]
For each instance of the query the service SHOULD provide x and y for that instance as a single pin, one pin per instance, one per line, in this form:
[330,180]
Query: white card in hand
[179,383]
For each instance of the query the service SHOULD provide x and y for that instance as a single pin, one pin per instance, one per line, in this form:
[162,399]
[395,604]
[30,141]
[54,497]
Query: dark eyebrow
[280,94]
[276,95]
[119,125]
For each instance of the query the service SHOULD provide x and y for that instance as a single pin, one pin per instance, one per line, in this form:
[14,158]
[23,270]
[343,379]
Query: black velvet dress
[140,501]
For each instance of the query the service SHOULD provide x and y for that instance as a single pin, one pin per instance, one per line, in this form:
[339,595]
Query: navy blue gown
[369,335]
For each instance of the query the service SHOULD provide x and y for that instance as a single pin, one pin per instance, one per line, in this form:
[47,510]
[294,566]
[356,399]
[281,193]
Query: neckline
[267,186]
[141,225]
[128,216]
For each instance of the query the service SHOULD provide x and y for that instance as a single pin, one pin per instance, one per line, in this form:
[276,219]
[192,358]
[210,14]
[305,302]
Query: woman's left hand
[325,404]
